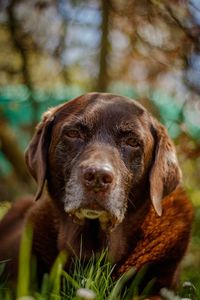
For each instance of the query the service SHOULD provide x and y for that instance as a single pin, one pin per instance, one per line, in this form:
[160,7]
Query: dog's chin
[107,221]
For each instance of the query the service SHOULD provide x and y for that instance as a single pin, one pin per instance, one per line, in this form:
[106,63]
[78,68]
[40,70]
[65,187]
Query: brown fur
[102,152]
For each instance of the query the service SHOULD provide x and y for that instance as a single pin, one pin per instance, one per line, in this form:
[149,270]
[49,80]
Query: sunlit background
[52,51]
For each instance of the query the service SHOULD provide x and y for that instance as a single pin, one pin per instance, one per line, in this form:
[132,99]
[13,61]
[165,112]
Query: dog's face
[99,153]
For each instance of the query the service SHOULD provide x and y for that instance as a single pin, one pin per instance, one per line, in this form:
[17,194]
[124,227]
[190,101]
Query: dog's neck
[85,239]
[89,238]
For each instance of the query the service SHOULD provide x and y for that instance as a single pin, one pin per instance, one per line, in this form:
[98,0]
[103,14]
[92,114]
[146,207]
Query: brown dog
[111,178]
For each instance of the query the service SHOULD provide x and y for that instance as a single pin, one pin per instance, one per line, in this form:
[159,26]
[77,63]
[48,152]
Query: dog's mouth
[91,214]
[107,221]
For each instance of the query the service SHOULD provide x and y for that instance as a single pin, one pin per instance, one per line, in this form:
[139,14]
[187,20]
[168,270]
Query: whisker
[131,202]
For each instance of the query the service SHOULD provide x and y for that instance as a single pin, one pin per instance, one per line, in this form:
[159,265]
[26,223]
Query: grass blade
[115,294]
[24,262]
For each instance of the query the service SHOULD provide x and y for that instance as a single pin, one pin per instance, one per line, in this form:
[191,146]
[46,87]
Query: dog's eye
[133,142]
[73,133]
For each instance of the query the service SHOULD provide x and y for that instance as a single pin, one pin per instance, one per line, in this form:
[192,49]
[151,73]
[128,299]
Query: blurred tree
[20,43]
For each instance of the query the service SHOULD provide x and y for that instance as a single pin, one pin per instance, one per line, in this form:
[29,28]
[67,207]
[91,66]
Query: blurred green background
[52,51]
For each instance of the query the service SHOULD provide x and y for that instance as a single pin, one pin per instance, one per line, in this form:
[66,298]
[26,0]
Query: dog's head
[99,152]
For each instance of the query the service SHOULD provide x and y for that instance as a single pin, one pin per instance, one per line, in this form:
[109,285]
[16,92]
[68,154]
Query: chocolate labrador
[107,177]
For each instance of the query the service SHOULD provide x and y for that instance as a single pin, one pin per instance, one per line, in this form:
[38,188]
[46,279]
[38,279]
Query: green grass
[93,281]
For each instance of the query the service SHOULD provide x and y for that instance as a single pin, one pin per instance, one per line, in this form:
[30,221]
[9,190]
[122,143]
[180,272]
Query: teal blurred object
[173,115]
[5,166]
[14,101]
[170,111]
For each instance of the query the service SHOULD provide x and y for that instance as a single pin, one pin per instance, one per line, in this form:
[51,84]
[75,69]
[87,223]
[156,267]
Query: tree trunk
[102,82]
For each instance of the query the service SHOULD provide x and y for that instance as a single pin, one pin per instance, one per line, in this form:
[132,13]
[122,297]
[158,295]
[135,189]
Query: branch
[10,148]
[185,30]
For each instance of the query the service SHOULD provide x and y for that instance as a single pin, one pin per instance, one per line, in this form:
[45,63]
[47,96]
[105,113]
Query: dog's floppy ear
[37,150]
[165,173]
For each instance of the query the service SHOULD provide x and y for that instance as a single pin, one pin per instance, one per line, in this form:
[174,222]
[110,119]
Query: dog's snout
[98,178]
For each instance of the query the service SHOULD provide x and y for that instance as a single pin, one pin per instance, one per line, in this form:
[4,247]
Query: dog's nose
[98,178]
